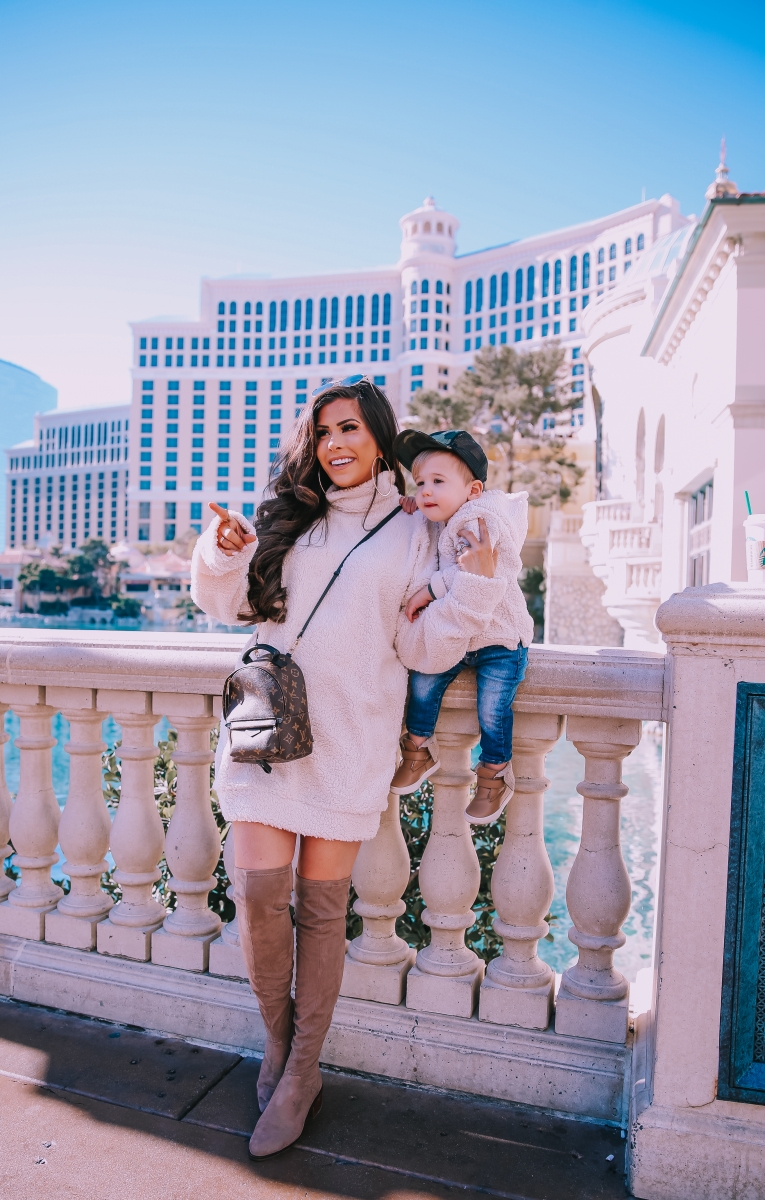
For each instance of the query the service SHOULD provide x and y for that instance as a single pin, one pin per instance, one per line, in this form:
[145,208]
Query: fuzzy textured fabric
[507,518]
[353,656]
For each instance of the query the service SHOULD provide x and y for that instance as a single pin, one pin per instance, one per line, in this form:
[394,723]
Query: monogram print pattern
[267,690]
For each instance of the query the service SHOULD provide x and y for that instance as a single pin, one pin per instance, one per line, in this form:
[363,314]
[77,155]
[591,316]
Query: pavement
[90,1110]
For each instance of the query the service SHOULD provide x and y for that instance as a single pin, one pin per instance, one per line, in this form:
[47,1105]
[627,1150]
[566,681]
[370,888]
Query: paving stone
[126,1067]
[416,1134]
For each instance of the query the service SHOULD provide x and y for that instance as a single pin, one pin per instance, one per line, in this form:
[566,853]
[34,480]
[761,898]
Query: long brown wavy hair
[296,500]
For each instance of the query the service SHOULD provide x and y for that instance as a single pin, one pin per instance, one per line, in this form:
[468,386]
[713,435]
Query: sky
[145,145]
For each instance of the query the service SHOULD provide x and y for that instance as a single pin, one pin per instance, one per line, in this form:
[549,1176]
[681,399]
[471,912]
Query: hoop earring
[321,485]
[376,476]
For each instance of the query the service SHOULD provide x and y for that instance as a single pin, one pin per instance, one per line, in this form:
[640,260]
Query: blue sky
[144,145]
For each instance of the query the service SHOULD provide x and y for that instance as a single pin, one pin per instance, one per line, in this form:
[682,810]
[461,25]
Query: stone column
[377,961]
[519,987]
[6,885]
[137,833]
[192,845]
[85,827]
[34,817]
[226,957]
[447,975]
[593,1000]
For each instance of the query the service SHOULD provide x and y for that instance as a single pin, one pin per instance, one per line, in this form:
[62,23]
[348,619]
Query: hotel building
[69,482]
[213,398]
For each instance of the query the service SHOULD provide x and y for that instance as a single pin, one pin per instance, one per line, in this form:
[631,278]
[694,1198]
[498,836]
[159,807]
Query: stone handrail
[599,696]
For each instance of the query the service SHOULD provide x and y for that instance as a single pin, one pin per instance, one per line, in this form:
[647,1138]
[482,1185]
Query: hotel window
[612,250]
[612,274]
[504,286]
[628,246]
[601,255]
[585,270]
[323,313]
[518,286]
[375,315]
[154,343]
[699,535]
[640,242]
[468,297]
[272,317]
[348,311]
[298,314]
[493,292]
[283,316]
[309,314]
[530,283]
[600,277]
[335,313]
[386,311]
[572,273]
[557,276]
[545,279]
[359,310]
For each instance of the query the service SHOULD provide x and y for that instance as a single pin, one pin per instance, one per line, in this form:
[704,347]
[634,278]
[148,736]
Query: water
[641,810]
[104,620]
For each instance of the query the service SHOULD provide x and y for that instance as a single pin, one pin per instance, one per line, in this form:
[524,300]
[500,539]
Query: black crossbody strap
[371,534]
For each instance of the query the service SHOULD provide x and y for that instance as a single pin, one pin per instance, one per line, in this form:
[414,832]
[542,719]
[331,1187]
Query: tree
[510,394]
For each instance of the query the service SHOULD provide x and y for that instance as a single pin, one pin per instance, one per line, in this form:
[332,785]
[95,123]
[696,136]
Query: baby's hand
[409,504]
[418,602]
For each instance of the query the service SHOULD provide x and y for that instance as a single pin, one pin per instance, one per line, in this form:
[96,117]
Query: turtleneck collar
[358,499]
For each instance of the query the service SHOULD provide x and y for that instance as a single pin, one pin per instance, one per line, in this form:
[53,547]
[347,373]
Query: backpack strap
[369,535]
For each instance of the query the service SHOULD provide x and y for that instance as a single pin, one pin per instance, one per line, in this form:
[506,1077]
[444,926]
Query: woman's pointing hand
[231,537]
[478,558]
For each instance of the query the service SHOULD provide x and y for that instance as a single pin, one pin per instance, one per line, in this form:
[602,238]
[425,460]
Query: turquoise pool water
[641,810]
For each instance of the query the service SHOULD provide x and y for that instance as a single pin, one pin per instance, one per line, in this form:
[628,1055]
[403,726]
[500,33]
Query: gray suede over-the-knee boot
[320,907]
[266,938]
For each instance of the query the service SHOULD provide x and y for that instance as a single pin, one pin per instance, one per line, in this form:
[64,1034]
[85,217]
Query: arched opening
[658,467]
[658,456]
[640,458]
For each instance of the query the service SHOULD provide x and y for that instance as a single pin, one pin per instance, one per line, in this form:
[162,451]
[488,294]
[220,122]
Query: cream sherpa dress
[354,657]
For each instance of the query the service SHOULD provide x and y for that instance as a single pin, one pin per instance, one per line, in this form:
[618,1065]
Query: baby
[450,469]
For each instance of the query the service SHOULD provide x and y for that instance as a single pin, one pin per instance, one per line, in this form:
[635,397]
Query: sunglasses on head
[349,381]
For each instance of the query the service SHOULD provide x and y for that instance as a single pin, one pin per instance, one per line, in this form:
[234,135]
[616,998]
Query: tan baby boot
[417,764]
[493,793]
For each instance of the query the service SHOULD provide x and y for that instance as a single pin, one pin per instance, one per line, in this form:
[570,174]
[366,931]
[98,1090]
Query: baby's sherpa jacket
[353,655]
[507,518]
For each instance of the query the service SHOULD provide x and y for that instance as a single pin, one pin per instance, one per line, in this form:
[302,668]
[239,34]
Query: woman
[336,479]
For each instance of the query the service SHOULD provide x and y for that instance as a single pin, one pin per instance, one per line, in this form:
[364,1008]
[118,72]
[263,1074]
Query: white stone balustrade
[137,835]
[447,974]
[518,989]
[139,679]
[378,960]
[35,816]
[85,827]
[593,997]
[6,883]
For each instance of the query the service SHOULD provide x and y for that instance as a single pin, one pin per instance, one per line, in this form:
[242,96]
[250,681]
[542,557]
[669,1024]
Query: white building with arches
[676,356]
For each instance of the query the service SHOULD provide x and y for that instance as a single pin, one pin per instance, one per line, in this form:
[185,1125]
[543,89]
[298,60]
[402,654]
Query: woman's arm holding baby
[439,637]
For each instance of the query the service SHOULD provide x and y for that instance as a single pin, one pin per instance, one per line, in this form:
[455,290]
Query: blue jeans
[499,672]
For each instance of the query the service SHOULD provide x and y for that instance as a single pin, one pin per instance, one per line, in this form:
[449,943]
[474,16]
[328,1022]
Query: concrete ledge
[568,1075]
[698,1154]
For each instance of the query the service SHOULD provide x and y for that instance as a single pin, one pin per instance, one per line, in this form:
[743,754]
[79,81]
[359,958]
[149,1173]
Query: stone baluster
[34,817]
[446,975]
[378,960]
[6,883]
[192,845]
[85,826]
[518,988]
[226,957]
[137,833]
[593,999]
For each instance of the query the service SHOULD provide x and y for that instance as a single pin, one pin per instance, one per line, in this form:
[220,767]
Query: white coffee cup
[754,528]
